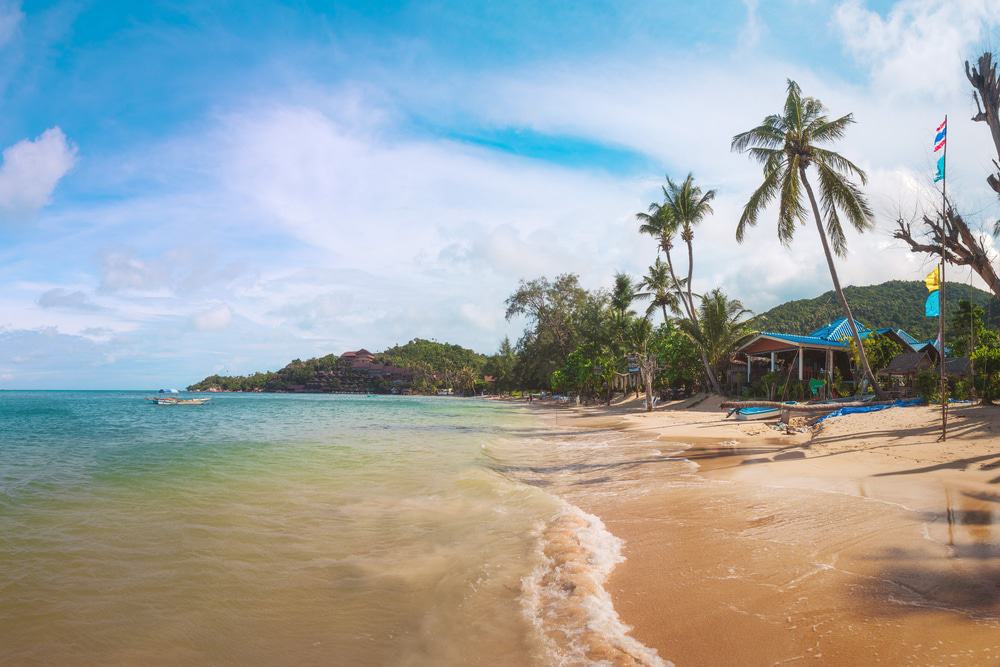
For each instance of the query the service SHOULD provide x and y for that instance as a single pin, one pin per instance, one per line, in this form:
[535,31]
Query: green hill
[897,303]
[421,366]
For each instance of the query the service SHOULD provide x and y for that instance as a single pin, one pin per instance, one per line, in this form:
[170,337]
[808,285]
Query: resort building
[358,358]
[815,355]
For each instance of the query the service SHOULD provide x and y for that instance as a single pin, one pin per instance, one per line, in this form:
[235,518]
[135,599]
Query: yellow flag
[933,279]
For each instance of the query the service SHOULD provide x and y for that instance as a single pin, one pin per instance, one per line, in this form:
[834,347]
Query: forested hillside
[422,366]
[897,303]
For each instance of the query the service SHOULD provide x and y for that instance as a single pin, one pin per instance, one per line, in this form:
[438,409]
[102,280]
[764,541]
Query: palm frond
[759,200]
[790,210]
[823,129]
[841,193]
[839,163]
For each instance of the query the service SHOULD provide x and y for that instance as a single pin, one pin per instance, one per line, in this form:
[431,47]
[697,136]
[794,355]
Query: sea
[300,529]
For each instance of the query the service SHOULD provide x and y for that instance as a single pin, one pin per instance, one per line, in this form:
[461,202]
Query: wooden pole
[944,233]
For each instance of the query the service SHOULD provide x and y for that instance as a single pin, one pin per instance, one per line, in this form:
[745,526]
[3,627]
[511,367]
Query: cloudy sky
[221,189]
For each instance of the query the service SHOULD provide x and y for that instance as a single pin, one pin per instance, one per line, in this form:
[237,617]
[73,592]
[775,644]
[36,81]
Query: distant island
[420,366]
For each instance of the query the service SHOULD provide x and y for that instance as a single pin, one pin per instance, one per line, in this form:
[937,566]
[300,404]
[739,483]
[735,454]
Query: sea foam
[565,600]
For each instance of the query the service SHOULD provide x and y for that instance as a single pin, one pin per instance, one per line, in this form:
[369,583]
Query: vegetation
[684,206]
[430,365]
[880,350]
[897,304]
[787,145]
[721,326]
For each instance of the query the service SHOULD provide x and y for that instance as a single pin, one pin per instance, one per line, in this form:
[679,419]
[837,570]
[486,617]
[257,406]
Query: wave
[564,598]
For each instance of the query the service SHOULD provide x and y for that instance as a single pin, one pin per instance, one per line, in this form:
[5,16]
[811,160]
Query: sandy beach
[864,541]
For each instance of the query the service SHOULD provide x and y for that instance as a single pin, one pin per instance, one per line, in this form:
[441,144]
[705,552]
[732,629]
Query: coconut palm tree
[662,222]
[722,326]
[787,145]
[622,294]
[655,286]
[688,206]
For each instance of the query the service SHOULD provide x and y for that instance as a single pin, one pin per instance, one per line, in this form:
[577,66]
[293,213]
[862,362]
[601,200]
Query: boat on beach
[751,414]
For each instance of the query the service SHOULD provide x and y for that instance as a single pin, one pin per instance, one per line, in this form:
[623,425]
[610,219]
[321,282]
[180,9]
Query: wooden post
[773,363]
[748,369]
[801,360]
[829,373]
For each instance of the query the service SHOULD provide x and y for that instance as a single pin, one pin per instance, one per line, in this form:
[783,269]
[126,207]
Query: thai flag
[942,136]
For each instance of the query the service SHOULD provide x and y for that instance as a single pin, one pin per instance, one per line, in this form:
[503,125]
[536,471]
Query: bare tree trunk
[987,88]
[962,247]
[836,285]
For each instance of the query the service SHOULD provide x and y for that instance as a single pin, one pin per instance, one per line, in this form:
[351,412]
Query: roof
[960,366]
[838,330]
[357,353]
[905,337]
[834,334]
[837,334]
[908,362]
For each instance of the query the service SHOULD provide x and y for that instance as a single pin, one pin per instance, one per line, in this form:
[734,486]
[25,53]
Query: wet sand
[865,542]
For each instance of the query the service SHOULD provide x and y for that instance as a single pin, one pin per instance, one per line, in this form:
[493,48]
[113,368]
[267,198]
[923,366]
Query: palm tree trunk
[663,307]
[690,237]
[692,314]
[836,285]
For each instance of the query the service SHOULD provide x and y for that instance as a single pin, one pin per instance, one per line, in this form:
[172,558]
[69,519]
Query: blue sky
[221,187]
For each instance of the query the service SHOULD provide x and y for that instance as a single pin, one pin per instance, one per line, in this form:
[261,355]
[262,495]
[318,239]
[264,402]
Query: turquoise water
[273,529]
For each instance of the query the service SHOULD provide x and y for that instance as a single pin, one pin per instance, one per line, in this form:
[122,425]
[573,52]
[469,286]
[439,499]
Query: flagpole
[944,228]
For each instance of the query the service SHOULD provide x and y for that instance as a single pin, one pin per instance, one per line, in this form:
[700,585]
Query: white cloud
[31,170]
[10,18]
[919,47]
[213,319]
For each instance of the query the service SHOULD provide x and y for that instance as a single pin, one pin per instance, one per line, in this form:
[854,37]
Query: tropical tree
[688,206]
[787,145]
[641,341]
[655,287]
[966,326]
[722,326]
[622,293]
[684,206]
[880,350]
[553,312]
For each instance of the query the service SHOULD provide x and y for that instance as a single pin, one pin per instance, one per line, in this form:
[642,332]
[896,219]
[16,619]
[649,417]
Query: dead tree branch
[962,246]
[983,78]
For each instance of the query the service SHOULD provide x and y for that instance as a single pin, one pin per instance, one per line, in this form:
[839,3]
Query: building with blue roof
[817,354]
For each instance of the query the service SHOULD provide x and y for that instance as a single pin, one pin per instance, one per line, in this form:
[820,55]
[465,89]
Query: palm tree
[688,206]
[683,207]
[721,327]
[787,144]
[655,286]
[622,294]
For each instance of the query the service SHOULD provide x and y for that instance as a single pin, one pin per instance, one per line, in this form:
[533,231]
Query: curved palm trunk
[836,285]
[689,237]
[692,314]
[663,307]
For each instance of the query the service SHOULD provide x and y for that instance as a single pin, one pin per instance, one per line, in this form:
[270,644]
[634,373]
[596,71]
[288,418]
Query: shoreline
[864,541]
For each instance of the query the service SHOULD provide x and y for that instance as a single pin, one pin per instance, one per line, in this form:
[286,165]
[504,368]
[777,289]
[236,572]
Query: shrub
[926,385]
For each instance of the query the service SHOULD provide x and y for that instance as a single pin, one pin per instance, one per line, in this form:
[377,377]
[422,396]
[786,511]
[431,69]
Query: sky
[188,189]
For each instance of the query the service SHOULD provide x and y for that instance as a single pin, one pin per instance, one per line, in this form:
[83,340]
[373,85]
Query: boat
[178,401]
[755,413]
[747,414]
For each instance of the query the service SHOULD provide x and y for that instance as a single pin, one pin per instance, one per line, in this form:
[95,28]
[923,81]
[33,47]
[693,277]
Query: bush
[926,384]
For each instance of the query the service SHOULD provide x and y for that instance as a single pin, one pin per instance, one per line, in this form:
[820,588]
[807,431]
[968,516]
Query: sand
[863,542]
